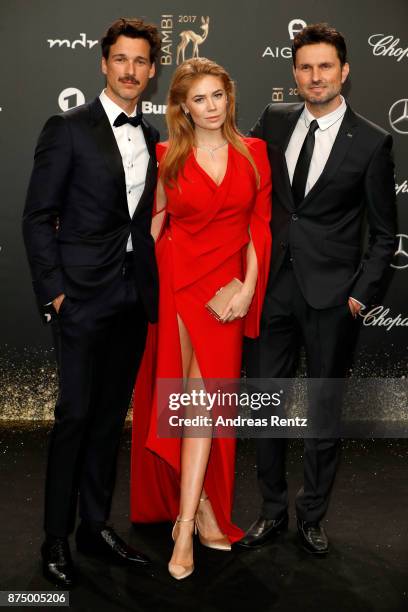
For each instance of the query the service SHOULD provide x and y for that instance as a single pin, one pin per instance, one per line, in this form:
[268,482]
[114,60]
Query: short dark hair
[133,28]
[320,33]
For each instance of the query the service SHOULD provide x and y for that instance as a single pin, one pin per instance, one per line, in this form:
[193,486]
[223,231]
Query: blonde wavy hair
[181,127]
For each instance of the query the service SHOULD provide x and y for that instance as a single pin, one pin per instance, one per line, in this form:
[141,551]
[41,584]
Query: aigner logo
[400,261]
[387,45]
[398,116]
[294,26]
[189,40]
[80,42]
[70,98]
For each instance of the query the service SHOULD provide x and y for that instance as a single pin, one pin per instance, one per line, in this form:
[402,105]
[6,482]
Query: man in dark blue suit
[330,168]
[87,234]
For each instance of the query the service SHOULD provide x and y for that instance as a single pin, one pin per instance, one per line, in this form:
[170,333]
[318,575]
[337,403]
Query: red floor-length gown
[202,247]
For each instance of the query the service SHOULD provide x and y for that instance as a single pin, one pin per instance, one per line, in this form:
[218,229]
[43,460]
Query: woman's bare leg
[195,453]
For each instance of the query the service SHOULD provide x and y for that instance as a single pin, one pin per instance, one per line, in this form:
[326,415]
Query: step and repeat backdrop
[51,63]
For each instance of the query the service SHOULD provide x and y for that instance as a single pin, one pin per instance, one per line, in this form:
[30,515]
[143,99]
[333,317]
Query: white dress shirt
[135,156]
[325,136]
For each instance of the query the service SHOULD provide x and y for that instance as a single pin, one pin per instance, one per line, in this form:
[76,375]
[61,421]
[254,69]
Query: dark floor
[367,569]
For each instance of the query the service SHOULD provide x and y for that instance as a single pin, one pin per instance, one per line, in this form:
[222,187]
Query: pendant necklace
[212,150]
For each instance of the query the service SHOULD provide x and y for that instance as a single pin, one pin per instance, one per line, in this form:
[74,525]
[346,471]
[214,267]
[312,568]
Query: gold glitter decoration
[29,383]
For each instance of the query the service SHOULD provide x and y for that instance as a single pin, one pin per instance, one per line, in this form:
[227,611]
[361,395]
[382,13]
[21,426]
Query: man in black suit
[330,166]
[87,234]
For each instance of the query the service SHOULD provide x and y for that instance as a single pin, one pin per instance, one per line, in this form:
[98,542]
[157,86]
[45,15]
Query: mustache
[130,78]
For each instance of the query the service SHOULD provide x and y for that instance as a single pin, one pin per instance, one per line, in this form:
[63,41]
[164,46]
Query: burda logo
[148,108]
[294,26]
[82,41]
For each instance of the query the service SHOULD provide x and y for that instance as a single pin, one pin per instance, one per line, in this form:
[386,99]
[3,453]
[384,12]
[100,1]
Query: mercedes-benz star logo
[398,116]
[401,254]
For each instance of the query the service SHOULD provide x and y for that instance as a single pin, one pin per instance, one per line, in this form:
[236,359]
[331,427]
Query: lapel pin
[349,135]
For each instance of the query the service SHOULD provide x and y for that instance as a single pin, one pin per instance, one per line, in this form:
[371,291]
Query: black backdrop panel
[51,62]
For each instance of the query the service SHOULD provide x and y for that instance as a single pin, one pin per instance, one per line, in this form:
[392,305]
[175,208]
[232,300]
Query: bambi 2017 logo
[182,37]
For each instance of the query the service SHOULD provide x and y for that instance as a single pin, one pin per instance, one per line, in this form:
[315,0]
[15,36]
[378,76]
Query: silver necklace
[212,150]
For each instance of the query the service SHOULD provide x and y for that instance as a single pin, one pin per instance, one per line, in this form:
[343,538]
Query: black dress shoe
[313,538]
[107,544]
[57,563]
[262,531]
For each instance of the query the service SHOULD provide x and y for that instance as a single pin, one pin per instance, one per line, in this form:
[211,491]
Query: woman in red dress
[211,224]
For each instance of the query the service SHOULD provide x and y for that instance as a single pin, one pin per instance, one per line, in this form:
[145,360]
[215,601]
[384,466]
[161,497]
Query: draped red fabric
[202,248]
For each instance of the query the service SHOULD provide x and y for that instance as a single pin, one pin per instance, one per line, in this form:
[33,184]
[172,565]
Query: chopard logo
[402,188]
[398,116]
[400,261]
[82,41]
[378,317]
[387,45]
[294,26]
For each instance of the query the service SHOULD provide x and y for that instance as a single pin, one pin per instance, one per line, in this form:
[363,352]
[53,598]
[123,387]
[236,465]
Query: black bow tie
[122,119]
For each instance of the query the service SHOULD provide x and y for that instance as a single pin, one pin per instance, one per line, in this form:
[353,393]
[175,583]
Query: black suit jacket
[76,220]
[324,233]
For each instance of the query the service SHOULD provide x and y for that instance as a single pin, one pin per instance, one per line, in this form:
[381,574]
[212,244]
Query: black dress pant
[328,336]
[99,344]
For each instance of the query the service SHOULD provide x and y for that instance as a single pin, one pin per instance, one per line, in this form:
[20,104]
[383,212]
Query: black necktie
[303,163]
[122,119]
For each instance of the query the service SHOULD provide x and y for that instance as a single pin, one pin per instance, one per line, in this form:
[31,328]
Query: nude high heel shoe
[221,543]
[175,570]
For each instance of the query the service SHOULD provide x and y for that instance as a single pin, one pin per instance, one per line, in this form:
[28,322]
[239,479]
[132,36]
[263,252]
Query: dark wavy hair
[320,33]
[133,28]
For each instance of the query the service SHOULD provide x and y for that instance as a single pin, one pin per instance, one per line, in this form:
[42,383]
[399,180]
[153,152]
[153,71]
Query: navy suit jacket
[324,232]
[76,220]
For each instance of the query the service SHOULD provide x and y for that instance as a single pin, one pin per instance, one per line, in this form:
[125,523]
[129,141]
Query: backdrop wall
[51,62]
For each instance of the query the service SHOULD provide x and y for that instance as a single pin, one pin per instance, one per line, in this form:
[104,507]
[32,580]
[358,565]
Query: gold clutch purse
[220,300]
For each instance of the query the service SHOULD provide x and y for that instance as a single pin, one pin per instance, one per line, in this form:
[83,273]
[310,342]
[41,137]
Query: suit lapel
[339,150]
[107,146]
[289,125]
[151,173]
